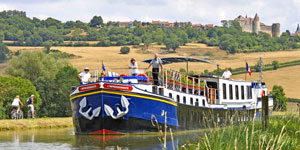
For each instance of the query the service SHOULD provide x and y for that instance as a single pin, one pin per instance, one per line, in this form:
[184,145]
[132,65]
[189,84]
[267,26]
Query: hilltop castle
[254,25]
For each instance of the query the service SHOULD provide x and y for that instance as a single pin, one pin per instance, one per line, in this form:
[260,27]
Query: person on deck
[85,77]
[227,74]
[133,66]
[16,103]
[156,62]
[30,105]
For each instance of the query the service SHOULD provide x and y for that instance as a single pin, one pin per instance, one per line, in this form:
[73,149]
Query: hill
[93,56]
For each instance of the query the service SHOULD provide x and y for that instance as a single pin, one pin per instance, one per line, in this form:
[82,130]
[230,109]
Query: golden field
[288,78]
[92,57]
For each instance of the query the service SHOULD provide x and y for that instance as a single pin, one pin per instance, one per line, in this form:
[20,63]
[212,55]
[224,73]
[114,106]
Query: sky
[285,12]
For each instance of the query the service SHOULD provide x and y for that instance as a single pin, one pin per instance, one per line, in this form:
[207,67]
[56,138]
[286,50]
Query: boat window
[249,92]
[161,91]
[170,95]
[203,103]
[243,93]
[230,91]
[197,102]
[184,100]
[237,92]
[192,101]
[178,98]
[224,91]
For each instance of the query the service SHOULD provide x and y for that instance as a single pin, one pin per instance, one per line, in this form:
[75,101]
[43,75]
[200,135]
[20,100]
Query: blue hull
[141,110]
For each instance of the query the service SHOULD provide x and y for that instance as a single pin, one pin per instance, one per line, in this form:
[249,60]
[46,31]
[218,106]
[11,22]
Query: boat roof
[170,60]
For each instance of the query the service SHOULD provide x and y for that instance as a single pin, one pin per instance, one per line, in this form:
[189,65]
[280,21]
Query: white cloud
[197,11]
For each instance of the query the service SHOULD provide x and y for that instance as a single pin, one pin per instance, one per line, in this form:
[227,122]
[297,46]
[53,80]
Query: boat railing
[172,80]
[177,81]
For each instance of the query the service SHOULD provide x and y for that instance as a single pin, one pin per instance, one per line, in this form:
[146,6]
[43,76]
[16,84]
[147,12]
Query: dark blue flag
[103,67]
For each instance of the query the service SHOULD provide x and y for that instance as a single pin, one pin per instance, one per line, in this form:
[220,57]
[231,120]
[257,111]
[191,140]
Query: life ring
[144,75]
[123,75]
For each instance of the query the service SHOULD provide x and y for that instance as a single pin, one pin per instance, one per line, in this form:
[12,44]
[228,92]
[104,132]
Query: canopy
[170,60]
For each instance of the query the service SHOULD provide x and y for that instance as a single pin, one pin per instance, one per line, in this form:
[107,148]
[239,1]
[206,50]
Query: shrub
[125,50]
[275,64]
[208,54]
[280,101]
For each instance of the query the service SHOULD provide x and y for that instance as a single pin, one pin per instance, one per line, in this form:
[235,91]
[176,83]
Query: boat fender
[142,74]
[123,75]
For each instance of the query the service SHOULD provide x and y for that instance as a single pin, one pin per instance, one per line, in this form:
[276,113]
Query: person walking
[155,63]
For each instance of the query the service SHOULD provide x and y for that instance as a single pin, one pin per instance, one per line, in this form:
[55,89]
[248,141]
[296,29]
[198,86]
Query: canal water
[65,139]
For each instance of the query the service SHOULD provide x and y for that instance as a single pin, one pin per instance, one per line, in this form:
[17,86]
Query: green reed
[283,133]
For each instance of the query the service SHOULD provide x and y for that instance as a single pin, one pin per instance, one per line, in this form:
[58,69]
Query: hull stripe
[125,94]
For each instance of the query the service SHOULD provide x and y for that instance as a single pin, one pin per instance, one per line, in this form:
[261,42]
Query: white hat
[32,95]
[86,68]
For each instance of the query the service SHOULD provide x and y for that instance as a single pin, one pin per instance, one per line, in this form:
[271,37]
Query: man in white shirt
[156,62]
[227,74]
[85,76]
[133,67]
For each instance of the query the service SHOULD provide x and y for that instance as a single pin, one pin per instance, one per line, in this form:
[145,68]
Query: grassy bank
[35,123]
[283,133]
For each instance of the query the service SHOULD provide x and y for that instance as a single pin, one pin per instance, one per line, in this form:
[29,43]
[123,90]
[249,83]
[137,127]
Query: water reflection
[64,139]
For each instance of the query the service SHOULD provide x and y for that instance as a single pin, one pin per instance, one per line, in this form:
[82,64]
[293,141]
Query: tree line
[16,26]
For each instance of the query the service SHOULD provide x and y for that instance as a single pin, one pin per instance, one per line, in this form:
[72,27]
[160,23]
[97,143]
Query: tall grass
[35,123]
[283,133]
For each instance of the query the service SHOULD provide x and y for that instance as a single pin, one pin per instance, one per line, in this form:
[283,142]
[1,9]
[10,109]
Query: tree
[124,50]
[12,86]
[275,64]
[1,36]
[97,21]
[280,101]
[3,51]
[64,79]
[47,46]
[147,39]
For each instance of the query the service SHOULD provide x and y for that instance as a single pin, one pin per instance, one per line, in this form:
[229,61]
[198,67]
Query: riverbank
[283,132]
[35,123]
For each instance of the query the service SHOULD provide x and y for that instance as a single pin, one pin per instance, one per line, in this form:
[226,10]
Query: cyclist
[30,105]
[16,103]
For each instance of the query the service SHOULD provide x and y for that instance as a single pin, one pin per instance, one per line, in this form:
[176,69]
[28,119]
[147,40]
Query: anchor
[110,112]
[82,105]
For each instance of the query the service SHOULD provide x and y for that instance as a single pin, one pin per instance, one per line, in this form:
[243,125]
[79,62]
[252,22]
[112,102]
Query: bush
[275,64]
[208,54]
[125,50]
[280,101]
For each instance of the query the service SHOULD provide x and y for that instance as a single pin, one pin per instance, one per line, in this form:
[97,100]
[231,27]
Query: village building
[297,33]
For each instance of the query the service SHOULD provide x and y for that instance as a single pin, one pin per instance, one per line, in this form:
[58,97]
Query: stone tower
[298,29]
[256,24]
[276,30]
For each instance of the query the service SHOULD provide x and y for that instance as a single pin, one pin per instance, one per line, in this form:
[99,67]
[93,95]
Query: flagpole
[102,66]
[246,72]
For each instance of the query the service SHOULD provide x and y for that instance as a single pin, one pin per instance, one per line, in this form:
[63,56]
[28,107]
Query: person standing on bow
[156,62]
[133,66]
[85,77]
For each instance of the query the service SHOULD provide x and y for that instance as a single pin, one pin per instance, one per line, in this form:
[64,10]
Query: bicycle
[29,114]
[15,114]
